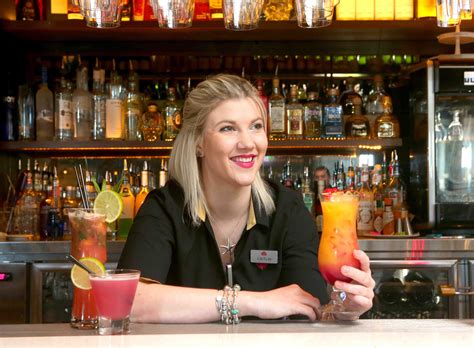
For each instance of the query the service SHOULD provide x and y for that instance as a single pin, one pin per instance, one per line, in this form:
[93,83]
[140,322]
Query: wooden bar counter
[270,334]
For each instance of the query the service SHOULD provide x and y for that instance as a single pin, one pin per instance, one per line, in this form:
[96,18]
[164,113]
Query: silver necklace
[229,247]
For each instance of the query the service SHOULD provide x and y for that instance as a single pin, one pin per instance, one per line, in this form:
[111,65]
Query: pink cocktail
[113,293]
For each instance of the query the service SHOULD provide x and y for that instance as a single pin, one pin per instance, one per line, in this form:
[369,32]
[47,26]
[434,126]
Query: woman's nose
[245,140]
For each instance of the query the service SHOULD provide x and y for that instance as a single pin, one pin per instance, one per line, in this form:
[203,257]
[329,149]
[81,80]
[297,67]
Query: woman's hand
[360,292]
[282,302]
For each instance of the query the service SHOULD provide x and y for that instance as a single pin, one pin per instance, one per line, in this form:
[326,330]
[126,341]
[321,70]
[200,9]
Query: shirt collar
[251,220]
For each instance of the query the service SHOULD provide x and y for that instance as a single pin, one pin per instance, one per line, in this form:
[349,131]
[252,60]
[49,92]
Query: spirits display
[26,113]
[125,220]
[276,112]
[133,110]
[313,115]
[332,116]
[114,113]
[357,125]
[82,106]
[294,115]
[44,109]
[172,116]
[387,125]
[375,99]
[98,103]
[365,216]
[63,120]
[152,124]
[350,98]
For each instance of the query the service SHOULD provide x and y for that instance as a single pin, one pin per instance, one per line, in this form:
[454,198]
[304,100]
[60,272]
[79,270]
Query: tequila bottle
[350,98]
[82,106]
[294,115]
[365,217]
[276,112]
[313,114]
[44,109]
[332,116]
[357,125]
[387,125]
[152,124]
[375,99]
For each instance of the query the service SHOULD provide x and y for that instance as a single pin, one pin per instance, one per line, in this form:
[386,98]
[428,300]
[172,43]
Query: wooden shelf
[343,37]
[104,149]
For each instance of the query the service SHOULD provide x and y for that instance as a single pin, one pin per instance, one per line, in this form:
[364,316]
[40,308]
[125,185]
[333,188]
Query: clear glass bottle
[276,112]
[396,187]
[114,114]
[308,194]
[99,100]
[133,109]
[441,134]
[294,115]
[374,104]
[144,188]
[332,116]
[386,125]
[152,124]
[357,125]
[313,115]
[26,113]
[63,117]
[9,126]
[44,109]
[172,116]
[455,129]
[365,217]
[82,106]
[378,188]
[349,98]
[163,174]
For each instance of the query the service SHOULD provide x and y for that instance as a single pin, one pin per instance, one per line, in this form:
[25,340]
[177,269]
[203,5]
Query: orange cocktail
[88,239]
[339,238]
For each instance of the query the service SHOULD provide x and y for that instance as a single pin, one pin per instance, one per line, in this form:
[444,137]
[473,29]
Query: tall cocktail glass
[88,239]
[114,293]
[338,241]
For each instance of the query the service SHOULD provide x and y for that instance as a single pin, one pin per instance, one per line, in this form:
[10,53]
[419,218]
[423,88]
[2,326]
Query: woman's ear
[199,152]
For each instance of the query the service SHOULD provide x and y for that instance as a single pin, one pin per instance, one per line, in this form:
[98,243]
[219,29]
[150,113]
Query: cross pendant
[228,248]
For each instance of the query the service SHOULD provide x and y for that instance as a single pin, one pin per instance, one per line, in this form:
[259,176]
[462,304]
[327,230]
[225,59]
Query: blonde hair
[184,166]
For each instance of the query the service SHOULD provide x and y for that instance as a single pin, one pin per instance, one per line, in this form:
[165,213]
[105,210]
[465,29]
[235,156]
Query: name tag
[264,256]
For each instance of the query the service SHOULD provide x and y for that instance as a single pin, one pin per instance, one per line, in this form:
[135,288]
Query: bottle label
[378,223]
[277,119]
[113,119]
[333,120]
[385,130]
[65,115]
[365,218]
[308,201]
[45,115]
[295,122]
[359,130]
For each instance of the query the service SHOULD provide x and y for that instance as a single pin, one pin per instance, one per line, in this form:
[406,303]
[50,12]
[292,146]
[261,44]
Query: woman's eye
[258,125]
[227,129]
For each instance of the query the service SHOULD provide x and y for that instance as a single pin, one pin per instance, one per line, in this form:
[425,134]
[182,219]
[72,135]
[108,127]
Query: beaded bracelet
[226,303]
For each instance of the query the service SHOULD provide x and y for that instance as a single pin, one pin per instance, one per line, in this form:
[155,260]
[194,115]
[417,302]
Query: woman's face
[233,145]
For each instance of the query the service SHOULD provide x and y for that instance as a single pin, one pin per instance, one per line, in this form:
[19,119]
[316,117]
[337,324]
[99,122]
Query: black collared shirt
[164,245]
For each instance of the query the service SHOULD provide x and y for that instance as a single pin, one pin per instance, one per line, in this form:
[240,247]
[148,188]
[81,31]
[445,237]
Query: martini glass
[338,241]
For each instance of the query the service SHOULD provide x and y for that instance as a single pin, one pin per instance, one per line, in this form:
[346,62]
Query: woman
[217,211]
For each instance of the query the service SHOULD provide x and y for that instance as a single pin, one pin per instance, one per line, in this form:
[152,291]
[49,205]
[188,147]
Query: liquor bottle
[73,10]
[172,116]
[384,10]
[374,104]
[152,124]
[404,10]
[261,92]
[294,115]
[308,194]
[378,189]
[365,217]
[82,106]
[277,10]
[26,211]
[138,10]
[276,112]
[114,114]
[9,126]
[364,10]
[44,208]
[44,109]
[26,113]
[318,209]
[69,201]
[287,175]
[126,10]
[134,179]
[38,182]
[46,177]
[425,9]
[357,125]
[346,10]
[396,187]
[332,116]
[340,177]
[98,103]
[313,115]
[386,125]
[90,189]
[125,220]
[388,218]
[349,98]
[163,175]
[350,176]
[201,10]
[133,108]
[63,120]
[144,188]
[455,129]
[28,10]
[215,9]
[441,134]
[50,218]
